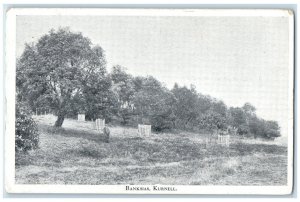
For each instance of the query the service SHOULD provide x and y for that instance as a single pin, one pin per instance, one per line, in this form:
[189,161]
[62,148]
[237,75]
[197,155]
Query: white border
[10,74]
[149,12]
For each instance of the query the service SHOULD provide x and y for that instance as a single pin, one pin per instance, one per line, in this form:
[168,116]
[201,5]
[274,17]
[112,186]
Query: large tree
[56,70]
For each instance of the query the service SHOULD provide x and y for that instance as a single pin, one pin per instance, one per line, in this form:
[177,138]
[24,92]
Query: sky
[234,59]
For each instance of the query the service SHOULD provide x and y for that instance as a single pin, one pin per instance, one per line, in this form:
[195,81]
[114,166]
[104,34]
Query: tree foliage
[123,85]
[213,121]
[64,72]
[26,135]
[57,71]
[153,104]
[186,106]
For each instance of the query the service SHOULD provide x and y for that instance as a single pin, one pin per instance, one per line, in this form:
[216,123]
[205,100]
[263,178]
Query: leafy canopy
[56,71]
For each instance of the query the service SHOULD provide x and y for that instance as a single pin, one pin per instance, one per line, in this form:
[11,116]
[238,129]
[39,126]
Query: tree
[162,114]
[99,100]
[256,127]
[249,109]
[123,85]
[243,129]
[272,130]
[264,129]
[186,107]
[146,96]
[237,116]
[238,119]
[55,71]
[154,104]
[219,107]
[213,121]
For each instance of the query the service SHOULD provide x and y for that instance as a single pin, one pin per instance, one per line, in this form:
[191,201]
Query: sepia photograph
[149,101]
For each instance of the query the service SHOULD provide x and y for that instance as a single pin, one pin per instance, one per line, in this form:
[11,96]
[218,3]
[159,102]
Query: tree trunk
[60,120]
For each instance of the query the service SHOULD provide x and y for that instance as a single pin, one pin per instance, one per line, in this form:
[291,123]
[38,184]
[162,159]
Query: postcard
[149,101]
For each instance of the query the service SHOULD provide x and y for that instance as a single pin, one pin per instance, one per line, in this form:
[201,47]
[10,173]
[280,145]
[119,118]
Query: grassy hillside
[76,154]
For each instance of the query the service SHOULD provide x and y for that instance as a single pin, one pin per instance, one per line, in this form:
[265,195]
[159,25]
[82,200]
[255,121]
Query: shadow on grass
[159,150]
[91,135]
[247,149]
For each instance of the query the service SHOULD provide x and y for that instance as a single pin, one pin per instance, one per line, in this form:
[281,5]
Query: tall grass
[76,154]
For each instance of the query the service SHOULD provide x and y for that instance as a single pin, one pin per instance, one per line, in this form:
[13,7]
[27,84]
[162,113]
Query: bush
[272,130]
[264,129]
[26,136]
[212,121]
[243,129]
[162,121]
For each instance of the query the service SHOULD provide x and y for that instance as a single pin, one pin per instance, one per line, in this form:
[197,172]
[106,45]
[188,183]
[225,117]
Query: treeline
[65,73]
[146,100]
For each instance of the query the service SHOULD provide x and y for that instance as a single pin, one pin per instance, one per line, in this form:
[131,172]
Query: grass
[77,154]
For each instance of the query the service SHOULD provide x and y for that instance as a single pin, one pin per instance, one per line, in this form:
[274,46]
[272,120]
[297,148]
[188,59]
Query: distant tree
[219,107]
[123,85]
[264,129]
[176,86]
[186,107]
[144,97]
[272,130]
[213,121]
[249,109]
[55,71]
[243,129]
[138,83]
[249,112]
[154,103]
[98,98]
[204,103]
[162,115]
[237,118]
[256,127]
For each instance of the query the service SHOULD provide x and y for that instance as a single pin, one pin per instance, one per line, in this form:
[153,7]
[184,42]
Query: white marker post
[81,117]
[144,130]
[99,124]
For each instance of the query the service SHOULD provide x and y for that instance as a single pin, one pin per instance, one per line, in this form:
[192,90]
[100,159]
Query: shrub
[162,121]
[26,136]
[264,129]
[272,130]
[212,121]
[243,129]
